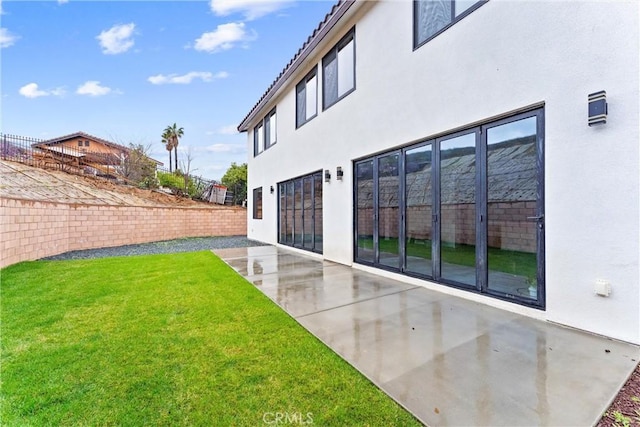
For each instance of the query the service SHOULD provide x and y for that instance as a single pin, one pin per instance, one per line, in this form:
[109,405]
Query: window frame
[350,36]
[261,130]
[454,20]
[257,131]
[270,124]
[303,84]
[257,196]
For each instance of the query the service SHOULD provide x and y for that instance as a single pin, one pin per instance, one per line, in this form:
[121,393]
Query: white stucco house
[487,149]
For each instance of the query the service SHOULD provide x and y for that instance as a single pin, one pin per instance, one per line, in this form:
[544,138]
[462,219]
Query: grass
[176,339]
[512,262]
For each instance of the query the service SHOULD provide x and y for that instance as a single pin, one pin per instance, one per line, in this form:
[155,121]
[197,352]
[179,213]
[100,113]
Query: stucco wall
[501,58]
[32,230]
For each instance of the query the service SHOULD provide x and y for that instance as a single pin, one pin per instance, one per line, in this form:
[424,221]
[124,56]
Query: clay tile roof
[329,21]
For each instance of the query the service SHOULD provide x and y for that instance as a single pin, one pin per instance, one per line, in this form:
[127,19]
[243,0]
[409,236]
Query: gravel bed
[164,247]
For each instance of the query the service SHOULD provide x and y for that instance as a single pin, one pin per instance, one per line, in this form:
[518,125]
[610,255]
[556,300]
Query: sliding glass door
[458,209]
[300,212]
[378,211]
[418,185]
[464,209]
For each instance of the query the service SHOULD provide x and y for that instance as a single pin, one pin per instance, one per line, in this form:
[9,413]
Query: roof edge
[326,25]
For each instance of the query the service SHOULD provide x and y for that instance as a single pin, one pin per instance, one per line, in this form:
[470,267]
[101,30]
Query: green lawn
[175,339]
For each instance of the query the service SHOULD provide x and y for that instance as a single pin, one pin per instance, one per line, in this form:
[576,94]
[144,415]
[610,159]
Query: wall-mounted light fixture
[598,108]
[271,189]
[327,175]
[339,173]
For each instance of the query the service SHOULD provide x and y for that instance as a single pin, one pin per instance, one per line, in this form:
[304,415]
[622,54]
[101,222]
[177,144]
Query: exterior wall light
[598,108]
[327,175]
[271,190]
[339,173]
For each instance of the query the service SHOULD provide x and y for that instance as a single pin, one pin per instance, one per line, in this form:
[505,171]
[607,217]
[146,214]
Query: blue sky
[124,70]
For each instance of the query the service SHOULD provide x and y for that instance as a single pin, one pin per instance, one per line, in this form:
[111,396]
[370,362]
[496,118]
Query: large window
[300,212]
[431,17]
[338,71]
[307,98]
[264,134]
[465,209]
[257,203]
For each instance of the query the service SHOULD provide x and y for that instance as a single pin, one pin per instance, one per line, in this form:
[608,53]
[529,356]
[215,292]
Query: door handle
[535,218]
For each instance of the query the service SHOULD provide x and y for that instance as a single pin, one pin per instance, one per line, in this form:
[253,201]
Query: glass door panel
[388,211]
[307,213]
[512,208]
[364,210]
[317,203]
[419,200]
[297,213]
[458,209]
[289,214]
[282,212]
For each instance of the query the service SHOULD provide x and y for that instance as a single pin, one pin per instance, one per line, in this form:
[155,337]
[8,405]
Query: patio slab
[448,360]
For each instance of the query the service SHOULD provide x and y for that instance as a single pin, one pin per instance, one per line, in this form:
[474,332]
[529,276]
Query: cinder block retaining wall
[31,230]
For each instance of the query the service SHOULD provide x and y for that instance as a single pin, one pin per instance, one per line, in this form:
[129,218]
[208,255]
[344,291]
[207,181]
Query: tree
[235,179]
[138,168]
[168,144]
[174,133]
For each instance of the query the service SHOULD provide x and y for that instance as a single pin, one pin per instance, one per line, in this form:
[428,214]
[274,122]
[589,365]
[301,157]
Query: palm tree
[168,144]
[174,133]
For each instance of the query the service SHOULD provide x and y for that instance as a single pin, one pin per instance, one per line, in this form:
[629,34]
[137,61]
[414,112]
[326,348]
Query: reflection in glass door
[307,213]
[388,214]
[364,211]
[513,213]
[458,209]
[465,209]
[300,212]
[419,210]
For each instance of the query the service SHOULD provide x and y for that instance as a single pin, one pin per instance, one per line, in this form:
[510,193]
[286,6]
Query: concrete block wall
[31,230]
[508,227]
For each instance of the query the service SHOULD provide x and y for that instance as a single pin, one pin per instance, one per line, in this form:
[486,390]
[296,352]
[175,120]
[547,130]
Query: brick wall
[508,227]
[32,230]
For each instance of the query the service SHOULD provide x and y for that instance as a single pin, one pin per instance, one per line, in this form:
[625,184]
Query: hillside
[18,181]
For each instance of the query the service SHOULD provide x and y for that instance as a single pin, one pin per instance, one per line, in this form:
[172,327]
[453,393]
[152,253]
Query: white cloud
[205,76]
[31,90]
[225,148]
[92,88]
[252,9]
[225,37]
[228,130]
[7,38]
[117,39]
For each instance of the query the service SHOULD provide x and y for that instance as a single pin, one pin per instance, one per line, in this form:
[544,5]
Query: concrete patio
[448,360]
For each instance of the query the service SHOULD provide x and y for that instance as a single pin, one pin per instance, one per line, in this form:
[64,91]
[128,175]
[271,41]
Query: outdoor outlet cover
[603,288]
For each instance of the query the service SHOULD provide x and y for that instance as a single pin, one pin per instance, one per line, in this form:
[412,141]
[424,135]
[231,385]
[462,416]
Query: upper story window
[270,129]
[431,17]
[307,98]
[264,134]
[339,71]
[258,139]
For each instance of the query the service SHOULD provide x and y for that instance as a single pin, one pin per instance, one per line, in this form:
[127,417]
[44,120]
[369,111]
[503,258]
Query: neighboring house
[86,150]
[447,144]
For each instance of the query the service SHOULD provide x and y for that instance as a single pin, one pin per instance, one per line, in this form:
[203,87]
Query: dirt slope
[18,181]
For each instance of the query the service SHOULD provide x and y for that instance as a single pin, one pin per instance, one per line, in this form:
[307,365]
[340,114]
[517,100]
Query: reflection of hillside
[510,169]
